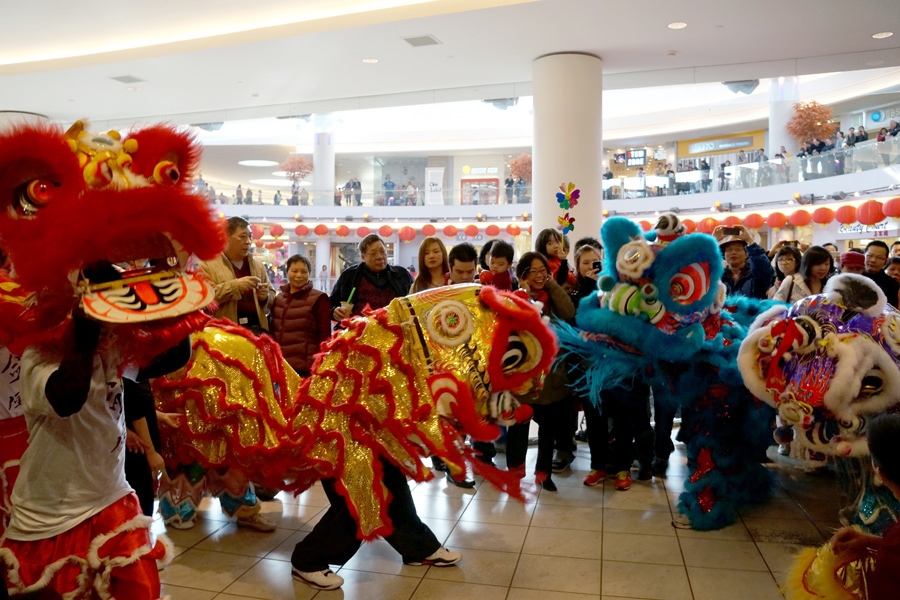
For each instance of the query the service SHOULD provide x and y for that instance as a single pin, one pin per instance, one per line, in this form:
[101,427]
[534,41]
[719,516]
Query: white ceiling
[213,60]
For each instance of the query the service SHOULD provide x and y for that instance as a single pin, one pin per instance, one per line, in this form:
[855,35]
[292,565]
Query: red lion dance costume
[73,204]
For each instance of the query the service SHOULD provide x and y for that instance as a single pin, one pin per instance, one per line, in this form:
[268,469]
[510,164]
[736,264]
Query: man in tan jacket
[243,292]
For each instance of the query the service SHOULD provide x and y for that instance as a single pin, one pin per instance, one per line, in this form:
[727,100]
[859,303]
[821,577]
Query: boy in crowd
[501,259]
[463,259]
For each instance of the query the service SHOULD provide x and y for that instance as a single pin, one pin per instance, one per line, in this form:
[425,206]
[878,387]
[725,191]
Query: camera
[597,264]
[731,230]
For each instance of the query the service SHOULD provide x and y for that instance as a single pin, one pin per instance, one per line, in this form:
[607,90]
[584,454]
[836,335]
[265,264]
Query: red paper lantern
[257,231]
[689,226]
[513,230]
[645,225]
[450,230]
[471,230]
[891,208]
[707,225]
[428,229]
[385,231]
[342,231]
[363,231]
[869,213]
[845,214]
[259,243]
[776,220]
[731,221]
[279,244]
[270,245]
[276,231]
[823,216]
[800,218]
[492,230]
[321,229]
[754,221]
[529,230]
[301,230]
[407,234]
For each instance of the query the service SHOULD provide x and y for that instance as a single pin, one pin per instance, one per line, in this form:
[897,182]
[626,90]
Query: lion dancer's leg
[180,492]
[238,498]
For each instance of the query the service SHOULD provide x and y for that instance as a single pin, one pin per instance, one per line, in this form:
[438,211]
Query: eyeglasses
[538,272]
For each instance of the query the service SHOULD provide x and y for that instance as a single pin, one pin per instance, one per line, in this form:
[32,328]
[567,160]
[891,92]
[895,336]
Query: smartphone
[793,243]
[597,264]
[731,230]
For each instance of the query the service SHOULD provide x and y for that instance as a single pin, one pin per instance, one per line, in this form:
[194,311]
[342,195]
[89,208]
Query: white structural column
[783,94]
[323,161]
[323,257]
[568,139]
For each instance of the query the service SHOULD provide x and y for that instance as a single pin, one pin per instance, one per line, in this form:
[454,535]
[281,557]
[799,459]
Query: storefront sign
[434,185]
[858,230]
[725,144]
[883,117]
[467,170]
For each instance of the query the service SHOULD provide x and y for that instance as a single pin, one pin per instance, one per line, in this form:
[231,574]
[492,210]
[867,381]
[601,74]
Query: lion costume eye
[36,195]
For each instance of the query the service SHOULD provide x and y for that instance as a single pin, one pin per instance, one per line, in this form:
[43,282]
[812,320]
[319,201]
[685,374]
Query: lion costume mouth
[154,284]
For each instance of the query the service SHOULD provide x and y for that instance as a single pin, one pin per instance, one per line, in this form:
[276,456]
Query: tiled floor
[578,543]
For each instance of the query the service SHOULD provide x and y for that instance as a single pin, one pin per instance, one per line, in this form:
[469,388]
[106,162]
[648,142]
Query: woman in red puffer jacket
[301,318]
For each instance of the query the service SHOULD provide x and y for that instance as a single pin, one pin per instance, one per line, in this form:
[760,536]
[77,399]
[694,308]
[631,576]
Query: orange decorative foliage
[810,120]
[296,167]
[521,167]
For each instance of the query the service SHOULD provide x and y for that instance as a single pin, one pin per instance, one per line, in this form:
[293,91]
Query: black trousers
[629,409]
[598,435]
[552,425]
[333,540]
[140,478]
[664,410]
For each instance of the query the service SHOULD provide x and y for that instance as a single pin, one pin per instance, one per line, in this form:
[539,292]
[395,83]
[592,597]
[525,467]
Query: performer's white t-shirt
[74,467]
[10,400]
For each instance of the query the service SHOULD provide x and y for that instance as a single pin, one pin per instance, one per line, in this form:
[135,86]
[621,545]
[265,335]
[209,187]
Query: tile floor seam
[756,543]
[687,573]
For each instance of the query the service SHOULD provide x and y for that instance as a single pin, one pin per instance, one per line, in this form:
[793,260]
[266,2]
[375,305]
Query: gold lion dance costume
[399,384]
[74,204]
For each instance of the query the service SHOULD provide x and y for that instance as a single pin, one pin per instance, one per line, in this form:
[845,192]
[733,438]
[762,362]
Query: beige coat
[221,273]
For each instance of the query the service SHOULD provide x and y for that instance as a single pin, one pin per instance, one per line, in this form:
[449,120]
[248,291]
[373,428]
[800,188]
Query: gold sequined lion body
[401,383]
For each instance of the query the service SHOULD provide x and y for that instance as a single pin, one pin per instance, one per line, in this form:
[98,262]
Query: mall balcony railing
[865,156]
[454,197]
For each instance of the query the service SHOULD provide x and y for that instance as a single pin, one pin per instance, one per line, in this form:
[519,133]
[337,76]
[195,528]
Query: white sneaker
[441,558]
[322,580]
[257,522]
[177,523]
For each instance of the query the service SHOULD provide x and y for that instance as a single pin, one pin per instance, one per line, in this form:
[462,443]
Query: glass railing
[465,197]
[865,156]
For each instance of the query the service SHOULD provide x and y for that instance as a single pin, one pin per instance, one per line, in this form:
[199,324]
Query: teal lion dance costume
[660,314]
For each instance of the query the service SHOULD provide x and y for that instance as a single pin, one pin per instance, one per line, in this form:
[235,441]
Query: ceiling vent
[422,40]
[502,103]
[128,79]
[746,86]
[208,126]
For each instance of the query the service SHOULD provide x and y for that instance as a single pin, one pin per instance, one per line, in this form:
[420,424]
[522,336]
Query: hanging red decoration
[276,231]
[278,244]
[869,213]
[823,216]
[731,221]
[259,243]
[471,230]
[707,225]
[689,226]
[385,231]
[301,230]
[257,231]
[513,230]
[363,231]
[754,221]
[891,208]
[321,229]
[492,230]
[845,214]
[342,231]
[800,218]
[428,229]
[529,230]
[406,234]
[270,246]
[645,225]
[776,220]
[450,230]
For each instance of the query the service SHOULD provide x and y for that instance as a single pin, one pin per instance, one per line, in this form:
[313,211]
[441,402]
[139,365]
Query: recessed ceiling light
[134,89]
[258,163]
[370,61]
[678,25]
[883,34]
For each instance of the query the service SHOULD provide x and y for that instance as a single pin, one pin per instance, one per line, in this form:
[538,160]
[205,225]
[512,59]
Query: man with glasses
[876,258]
[373,282]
